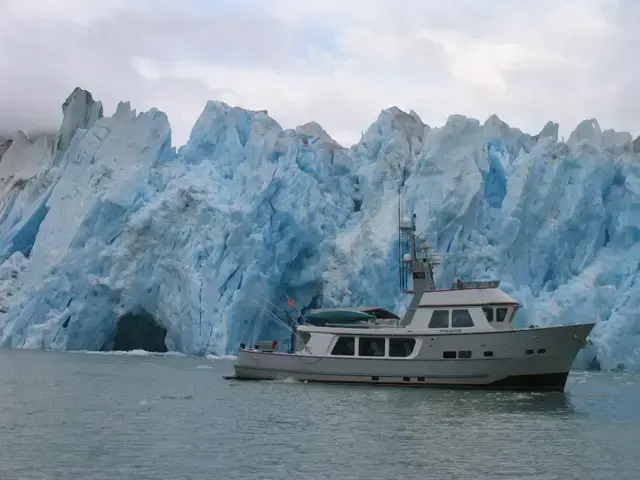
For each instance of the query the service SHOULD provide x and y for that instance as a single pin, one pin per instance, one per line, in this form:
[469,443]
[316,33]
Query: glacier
[106,219]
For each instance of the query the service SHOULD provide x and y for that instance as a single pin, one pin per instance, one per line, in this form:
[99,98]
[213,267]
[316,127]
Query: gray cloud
[46,58]
[331,61]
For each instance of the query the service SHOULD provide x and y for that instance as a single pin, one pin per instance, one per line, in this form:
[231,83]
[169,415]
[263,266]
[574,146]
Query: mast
[418,260]
[401,273]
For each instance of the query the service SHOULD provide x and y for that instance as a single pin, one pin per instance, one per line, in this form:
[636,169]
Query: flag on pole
[290,302]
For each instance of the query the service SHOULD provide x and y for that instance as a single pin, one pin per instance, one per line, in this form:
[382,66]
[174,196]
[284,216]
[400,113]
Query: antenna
[414,256]
[399,244]
[405,246]
[417,259]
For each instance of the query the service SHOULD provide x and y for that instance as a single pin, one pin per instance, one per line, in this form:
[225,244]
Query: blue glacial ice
[106,218]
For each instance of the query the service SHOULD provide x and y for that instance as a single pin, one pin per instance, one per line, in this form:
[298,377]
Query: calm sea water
[90,416]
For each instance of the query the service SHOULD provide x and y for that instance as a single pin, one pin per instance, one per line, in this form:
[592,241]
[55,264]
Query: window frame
[469,318]
[372,337]
[433,315]
[340,337]
[506,314]
[413,347]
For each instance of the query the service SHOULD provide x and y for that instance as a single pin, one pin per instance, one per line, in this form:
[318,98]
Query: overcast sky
[338,62]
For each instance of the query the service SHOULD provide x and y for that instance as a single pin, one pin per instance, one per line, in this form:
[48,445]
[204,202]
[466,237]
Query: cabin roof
[466,298]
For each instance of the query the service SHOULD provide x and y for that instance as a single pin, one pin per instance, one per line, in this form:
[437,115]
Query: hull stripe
[378,359]
[546,382]
[363,375]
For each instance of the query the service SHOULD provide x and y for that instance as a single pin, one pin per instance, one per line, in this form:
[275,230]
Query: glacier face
[106,219]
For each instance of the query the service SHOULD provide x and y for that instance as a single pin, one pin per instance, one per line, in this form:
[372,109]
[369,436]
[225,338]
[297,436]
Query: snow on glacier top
[108,219]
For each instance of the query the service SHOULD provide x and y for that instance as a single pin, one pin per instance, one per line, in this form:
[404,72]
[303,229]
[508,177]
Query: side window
[488,312]
[344,346]
[371,347]
[301,340]
[461,319]
[501,314]
[439,319]
[401,347]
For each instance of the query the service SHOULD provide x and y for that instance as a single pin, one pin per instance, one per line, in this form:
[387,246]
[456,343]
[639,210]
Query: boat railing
[362,325]
[475,285]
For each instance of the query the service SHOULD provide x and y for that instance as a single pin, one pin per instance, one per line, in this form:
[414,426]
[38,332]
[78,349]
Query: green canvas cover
[338,316]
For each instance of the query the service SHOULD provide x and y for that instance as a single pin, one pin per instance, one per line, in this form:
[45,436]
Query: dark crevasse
[495,181]
[25,237]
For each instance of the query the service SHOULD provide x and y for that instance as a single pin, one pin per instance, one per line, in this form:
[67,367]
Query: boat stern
[261,362]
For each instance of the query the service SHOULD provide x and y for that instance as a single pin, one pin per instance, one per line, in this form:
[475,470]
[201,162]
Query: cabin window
[488,312]
[439,319]
[448,354]
[302,339]
[401,347]
[344,346]
[501,314]
[461,319]
[464,354]
[371,347]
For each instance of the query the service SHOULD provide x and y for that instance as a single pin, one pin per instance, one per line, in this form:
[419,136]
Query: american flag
[290,302]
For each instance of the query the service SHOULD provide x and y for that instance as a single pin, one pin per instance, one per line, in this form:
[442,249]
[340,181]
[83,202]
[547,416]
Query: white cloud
[76,11]
[335,62]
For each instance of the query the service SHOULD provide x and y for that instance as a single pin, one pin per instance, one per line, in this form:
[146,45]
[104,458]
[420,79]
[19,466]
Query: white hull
[531,359]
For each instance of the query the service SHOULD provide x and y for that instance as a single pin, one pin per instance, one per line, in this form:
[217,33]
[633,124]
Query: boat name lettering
[450,330]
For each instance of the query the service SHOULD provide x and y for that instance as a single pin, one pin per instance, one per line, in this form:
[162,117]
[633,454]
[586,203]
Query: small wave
[155,400]
[130,353]
[514,396]
[176,397]
[211,356]
[288,380]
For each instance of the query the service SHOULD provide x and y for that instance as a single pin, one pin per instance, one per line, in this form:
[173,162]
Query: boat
[463,337]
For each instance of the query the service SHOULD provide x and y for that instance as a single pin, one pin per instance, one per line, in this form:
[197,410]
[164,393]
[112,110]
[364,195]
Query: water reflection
[546,403]
[459,403]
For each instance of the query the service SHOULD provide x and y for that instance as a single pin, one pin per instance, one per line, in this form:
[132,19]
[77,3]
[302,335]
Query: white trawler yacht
[460,337]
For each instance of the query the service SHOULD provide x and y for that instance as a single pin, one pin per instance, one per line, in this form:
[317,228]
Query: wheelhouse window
[461,319]
[501,314]
[371,347]
[344,346]
[439,319]
[488,312]
[401,347]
